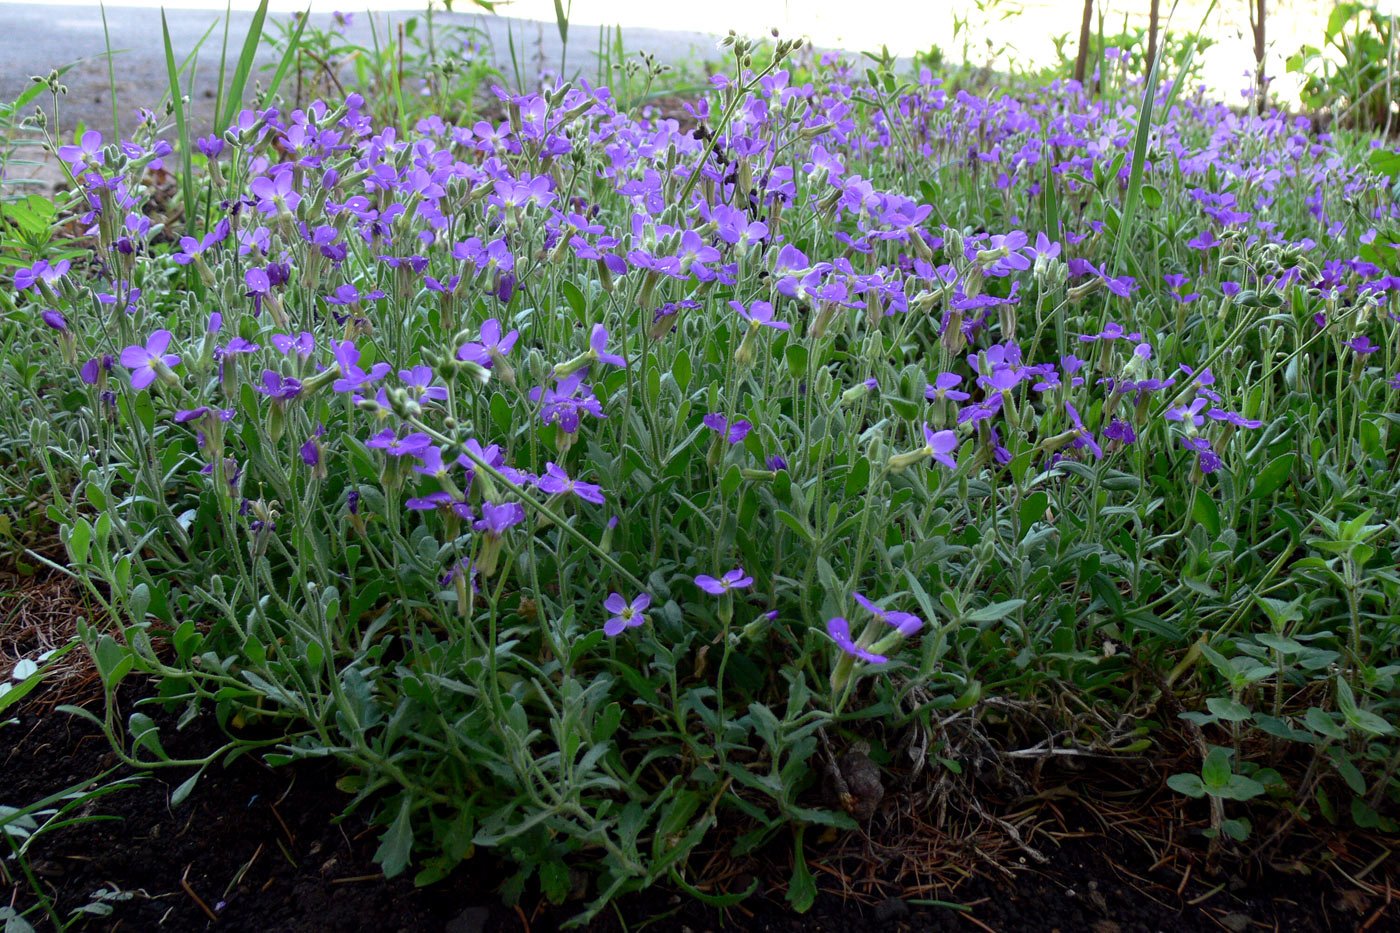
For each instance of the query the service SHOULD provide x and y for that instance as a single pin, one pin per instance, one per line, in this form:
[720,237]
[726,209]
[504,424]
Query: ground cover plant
[583,480]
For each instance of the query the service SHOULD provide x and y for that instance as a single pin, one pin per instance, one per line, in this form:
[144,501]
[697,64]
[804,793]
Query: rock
[1237,922]
[891,908]
[863,778]
[471,920]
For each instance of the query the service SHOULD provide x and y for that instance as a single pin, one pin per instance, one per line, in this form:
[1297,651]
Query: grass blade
[1144,127]
[1052,198]
[244,68]
[1188,58]
[287,55]
[223,62]
[111,72]
[181,127]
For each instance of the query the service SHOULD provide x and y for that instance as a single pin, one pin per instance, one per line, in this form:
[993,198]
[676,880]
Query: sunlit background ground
[1020,31]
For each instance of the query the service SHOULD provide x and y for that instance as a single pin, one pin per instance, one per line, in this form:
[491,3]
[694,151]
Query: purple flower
[734,433]
[303,344]
[277,387]
[776,463]
[906,622]
[625,615]
[1111,331]
[759,314]
[145,362]
[90,370]
[942,387]
[393,445]
[940,446]
[1235,418]
[87,154]
[55,320]
[310,453]
[1362,345]
[192,414]
[41,271]
[462,568]
[490,345]
[257,281]
[1043,247]
[1207,461]
[1120,430]
[419,381]
[238,345]
[431,501]
[598,345]
[840,631]
[557,483]
[349,295]
[733,580]
[565,404]
[210,146]
[495,519]
[274,194]
[352,377]
[1083,436]
[1191,412]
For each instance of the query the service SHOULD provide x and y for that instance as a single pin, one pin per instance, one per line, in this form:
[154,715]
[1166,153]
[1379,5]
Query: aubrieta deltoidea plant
[583,479]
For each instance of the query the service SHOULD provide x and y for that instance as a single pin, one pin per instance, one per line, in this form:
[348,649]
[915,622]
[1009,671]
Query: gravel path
[36,37]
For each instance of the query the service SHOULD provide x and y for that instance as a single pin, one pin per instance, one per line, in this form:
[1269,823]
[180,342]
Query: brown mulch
[1102,846]
[40,613]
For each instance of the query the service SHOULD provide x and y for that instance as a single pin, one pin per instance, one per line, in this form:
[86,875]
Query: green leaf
[732,478]
[797,525]
[608,722]
[1363,815]
[80,541]
[1239,787]
[996,611]
[1215,770]
[575,299]
[1367,721]
[1284,646]
[182,792]
[1346,700]
[1206,512]
[396,845]
[1350,774]
[1273,476]
[858,478]
[554,880]
[1052,202]
[1237,830]
[501,413]
[1385,162]
[1337,21]
[796,356]
[802,889]
[1188,784]
[1323,724]
[1228,710]
[1032,510]
[681,370]
[1151,197]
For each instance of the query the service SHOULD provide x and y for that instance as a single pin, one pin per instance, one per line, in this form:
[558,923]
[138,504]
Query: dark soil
[258,849]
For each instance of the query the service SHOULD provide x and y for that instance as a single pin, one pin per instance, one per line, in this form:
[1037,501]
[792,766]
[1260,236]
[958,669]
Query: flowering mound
[579,479]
